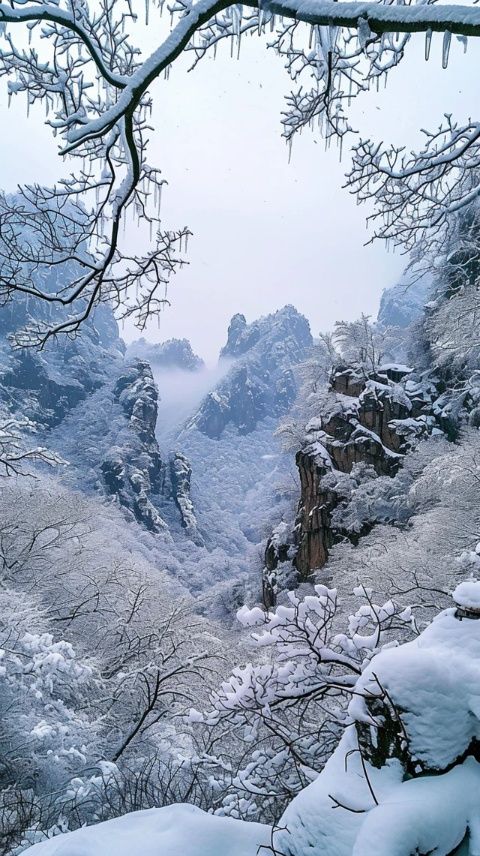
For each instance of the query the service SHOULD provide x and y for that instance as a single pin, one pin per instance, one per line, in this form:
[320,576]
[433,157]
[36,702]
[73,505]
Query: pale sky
[266,232]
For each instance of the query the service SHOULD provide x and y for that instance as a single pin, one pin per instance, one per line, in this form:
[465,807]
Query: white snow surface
[436,680]
[176,830]
[314,825]
[426,815]
[352,808]
[467,594]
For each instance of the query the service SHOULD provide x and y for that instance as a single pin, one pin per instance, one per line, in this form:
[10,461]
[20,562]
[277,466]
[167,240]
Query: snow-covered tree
[312,375]
[361,342]
[86,67]
[17,454]
[289,707]
[96,669]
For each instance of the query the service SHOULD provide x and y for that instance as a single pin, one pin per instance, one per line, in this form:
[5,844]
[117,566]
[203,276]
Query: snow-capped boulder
[405,777]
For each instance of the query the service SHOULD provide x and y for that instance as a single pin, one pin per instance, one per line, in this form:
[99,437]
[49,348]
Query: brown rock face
[314,533]
[370,420]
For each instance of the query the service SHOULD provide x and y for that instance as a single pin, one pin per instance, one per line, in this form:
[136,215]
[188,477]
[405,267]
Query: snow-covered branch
[83,66]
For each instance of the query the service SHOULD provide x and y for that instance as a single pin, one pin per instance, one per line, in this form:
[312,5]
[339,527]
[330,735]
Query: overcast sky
[266,232]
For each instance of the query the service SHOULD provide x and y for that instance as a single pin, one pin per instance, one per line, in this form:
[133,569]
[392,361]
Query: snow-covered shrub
[288,708]
[404,778]
[367,344]
[49,727]
[101,656]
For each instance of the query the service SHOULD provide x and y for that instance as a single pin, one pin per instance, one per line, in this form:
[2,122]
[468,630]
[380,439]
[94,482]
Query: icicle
[147,10]
[447,38]
[464,41]
[310,37]
[261,21]
[332,36]
[428,44]
[239,44]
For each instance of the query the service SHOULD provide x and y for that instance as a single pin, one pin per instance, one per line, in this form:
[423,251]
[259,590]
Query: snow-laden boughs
[99,660]
[16,453]
[47,730]
[84,66]
[290,705]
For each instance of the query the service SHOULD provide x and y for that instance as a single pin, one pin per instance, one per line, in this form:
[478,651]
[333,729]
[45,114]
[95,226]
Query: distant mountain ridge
[261,381]
[173,353]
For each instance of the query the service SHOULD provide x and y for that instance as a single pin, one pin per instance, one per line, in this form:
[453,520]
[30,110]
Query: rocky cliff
[261,381]
[132,467]
[45,385]
[90,404]
[366,427]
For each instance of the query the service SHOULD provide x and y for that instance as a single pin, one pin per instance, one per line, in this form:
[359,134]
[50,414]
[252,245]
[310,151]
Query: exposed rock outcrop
[46,385]
[368,424]
[132,468]
[180,477]
[261,382]
[278,572]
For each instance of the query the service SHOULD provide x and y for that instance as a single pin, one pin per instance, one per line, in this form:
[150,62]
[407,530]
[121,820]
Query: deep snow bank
[377,795]
[177,830]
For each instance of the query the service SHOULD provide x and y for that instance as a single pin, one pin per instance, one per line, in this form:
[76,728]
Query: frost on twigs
[421,197]
[83,67]
[78,66]
[15,453]
[46,253]
[292,703]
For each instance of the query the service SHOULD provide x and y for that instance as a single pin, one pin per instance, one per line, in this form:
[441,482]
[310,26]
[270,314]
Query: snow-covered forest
[240,600]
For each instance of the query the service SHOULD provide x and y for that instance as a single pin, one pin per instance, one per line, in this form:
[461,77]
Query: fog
[181,392]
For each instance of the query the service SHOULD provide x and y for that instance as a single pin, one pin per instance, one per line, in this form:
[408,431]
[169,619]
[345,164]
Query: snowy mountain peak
[404,303]
[172,354]
[285,326]
[261,382]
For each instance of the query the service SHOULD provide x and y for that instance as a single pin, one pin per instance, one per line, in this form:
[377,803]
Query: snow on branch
[292,700]
[83,66]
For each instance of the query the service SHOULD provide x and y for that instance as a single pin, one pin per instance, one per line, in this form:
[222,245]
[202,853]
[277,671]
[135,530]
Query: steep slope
[229,477]
[260,382]
[366,422]
[45,385]
[208,497]
[366,428]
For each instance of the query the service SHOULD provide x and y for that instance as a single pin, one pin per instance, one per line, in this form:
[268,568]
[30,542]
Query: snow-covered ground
[354,807]
[178,830]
